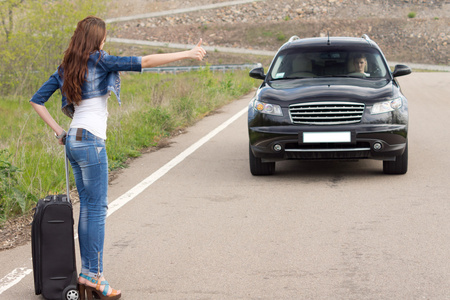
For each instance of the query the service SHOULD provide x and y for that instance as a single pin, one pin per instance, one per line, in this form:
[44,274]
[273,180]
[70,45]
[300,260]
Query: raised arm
[154,60]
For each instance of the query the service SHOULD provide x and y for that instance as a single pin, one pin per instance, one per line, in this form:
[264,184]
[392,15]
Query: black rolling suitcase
[53,247]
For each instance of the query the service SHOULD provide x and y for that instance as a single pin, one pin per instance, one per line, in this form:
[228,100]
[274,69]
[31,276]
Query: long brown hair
[87,38]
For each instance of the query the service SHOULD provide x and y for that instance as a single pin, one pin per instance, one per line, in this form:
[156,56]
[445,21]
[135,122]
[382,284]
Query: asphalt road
[204,228]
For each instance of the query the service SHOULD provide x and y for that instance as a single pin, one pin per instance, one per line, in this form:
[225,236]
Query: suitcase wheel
[71,293]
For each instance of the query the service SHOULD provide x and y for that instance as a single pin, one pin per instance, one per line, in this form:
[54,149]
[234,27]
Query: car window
[362,63]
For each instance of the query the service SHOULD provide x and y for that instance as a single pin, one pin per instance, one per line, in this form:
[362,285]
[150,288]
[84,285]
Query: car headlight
[386,106]
[267,108]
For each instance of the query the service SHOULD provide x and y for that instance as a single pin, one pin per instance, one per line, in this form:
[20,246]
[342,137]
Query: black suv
[326,99]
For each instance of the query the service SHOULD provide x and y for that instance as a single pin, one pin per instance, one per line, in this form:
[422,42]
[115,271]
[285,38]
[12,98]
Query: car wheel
[259,168]
[399,166]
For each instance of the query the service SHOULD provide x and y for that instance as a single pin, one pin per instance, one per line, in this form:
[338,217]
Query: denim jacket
[102,76]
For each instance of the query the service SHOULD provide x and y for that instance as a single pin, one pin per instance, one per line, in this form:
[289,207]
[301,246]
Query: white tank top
[92,115]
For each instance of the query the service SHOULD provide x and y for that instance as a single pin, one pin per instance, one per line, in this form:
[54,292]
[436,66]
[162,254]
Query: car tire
[257,167]
[399,166]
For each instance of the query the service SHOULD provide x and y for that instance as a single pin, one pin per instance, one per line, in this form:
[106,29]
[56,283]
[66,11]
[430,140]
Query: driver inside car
[359,66]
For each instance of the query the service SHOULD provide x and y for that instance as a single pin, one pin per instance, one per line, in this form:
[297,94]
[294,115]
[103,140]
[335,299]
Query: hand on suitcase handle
[62,140]
[61,137]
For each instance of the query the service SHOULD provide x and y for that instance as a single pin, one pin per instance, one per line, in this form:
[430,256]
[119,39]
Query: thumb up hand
[198,52]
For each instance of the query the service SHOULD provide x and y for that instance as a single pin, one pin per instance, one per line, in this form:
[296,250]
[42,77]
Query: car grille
[326,113]
[359,150]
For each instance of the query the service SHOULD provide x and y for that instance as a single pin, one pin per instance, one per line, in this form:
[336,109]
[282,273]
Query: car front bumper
[372,141]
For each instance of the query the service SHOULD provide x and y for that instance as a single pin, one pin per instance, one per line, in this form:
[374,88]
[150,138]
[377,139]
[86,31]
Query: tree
[7,15]
[37,34]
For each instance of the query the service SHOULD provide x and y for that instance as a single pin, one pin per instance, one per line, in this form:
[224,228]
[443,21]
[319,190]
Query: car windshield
[364,63]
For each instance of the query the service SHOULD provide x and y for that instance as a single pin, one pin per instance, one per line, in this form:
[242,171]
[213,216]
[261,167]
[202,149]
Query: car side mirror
[257,73]
[401,70]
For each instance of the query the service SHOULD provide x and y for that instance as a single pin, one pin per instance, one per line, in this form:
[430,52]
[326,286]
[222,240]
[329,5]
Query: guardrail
[213,68]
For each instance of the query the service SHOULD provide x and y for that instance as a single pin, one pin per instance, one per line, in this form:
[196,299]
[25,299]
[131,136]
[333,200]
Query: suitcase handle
[66,164]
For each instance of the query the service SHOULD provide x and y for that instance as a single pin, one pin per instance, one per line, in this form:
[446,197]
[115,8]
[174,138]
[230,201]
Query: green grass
[412,14]
[153,107]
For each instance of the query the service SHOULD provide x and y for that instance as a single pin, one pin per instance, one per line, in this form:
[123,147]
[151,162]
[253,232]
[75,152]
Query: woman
[86,77]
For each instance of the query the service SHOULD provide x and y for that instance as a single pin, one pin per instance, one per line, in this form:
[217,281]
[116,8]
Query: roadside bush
[412,15]
[15,200]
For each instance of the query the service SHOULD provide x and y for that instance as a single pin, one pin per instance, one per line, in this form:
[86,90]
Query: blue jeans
[90,168]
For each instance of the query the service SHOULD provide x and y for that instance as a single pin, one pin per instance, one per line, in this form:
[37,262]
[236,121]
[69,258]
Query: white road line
[211,49]
[18,274]
[13,278]
[139,188]
[178,11]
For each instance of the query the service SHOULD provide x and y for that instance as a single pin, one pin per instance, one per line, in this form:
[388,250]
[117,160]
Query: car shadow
[317,169]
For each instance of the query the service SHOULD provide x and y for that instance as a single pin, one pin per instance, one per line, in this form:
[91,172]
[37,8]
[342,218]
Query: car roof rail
[368,40]
[293,38]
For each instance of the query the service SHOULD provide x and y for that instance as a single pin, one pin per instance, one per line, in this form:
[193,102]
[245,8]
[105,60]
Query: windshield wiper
[345,76]
[299,77]
[293,77]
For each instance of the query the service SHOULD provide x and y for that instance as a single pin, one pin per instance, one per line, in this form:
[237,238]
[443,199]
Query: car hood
[285,92]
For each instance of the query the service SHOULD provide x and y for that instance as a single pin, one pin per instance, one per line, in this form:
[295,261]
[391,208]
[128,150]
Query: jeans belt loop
[79,134]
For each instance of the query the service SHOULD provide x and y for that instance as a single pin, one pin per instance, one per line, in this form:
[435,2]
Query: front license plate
[327,137]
